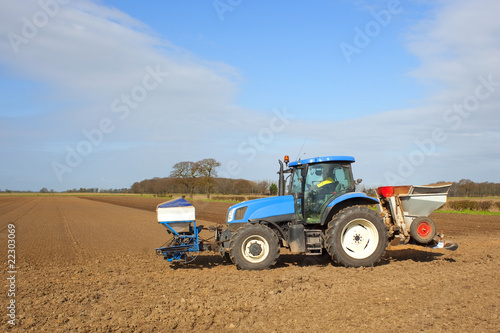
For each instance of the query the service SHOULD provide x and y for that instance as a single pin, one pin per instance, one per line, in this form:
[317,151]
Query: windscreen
[324,182]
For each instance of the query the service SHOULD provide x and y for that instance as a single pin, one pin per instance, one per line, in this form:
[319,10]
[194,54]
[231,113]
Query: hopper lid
[180,202]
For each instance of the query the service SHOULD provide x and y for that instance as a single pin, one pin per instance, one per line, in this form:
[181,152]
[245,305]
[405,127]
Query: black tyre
[356,237]
[423,230]
[254,247]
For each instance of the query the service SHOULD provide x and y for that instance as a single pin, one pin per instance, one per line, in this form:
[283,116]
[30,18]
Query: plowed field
[89,266]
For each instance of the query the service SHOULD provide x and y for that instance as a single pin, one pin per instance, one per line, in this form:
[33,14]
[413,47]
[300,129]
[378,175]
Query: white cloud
[96,62]
[460,41]
[459,48]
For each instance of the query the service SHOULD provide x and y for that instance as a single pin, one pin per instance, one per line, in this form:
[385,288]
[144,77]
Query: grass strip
[468,212]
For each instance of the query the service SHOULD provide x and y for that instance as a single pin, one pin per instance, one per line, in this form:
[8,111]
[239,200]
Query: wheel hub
[357,238]
[255,249]
[424,229]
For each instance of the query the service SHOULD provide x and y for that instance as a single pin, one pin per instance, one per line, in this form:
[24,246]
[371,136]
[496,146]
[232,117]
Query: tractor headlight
[230,215]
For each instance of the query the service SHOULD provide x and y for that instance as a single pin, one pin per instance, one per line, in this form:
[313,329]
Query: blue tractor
[321,211]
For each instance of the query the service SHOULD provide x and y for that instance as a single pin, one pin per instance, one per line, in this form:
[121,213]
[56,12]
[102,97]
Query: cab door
[297,190]
[324,182]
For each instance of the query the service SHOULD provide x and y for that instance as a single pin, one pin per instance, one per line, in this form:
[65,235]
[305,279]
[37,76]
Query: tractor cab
[317,188]
[316,182]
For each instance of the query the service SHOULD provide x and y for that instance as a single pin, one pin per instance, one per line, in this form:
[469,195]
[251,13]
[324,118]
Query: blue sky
[106,93]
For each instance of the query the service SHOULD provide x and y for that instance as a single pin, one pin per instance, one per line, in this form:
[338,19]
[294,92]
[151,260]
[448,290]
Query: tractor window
[324,182]
[296,190]
[343,175]
[296,184]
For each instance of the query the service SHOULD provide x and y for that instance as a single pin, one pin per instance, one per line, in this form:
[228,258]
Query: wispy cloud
[459,52]
[90,58]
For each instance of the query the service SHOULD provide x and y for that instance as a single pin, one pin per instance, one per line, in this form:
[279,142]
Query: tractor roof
[322,159]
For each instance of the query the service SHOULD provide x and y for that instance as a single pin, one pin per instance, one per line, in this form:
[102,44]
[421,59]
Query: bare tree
[207,169]
[242,186]
[263,186]
[186,173]
[225,185]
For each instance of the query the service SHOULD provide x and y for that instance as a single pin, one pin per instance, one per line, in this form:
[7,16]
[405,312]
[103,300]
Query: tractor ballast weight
[321,211]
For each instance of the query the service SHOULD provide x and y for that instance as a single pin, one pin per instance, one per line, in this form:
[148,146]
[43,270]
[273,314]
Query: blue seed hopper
[178,216]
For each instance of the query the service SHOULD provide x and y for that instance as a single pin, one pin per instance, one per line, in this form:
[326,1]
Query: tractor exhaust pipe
[281,180]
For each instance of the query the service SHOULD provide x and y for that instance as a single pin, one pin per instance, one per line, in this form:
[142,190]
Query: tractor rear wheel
[356,237]
[254,247]
[423,229]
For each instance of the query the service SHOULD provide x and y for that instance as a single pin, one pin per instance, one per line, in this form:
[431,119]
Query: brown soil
[89,266]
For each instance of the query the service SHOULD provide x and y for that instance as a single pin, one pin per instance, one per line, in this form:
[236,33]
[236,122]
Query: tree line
[201,178]
[168,185]
[468,188]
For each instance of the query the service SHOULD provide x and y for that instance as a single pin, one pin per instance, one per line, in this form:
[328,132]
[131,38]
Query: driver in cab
[328,185]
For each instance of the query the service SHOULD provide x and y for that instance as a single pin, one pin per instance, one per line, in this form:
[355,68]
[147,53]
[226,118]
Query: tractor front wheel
[254,247]
[356,237]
